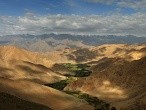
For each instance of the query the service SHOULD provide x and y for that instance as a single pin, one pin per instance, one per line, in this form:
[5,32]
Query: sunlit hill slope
[117,76]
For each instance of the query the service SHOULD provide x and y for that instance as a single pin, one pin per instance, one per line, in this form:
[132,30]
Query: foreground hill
[10,102]
[117,81]
[23,75]
[41,94]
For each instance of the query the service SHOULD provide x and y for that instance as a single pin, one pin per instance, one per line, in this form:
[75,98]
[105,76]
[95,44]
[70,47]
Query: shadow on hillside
[32,68]
[82,55]
[5,72]
[29,69]
[9,102]
[115,80]
[40,66]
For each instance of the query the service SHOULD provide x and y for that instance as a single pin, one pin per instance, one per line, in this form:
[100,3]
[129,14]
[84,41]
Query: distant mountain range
[49,42]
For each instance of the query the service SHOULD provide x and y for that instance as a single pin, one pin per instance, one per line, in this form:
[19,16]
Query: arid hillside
[41,94]
[19,64]
[82,55]
[117,81]
[10,102]
[23,75]
[75,79]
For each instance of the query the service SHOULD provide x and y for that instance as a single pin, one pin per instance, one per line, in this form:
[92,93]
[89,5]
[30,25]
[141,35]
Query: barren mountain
[114,73]
[10,102]
[128,52]
[17,63]
[41,94]
[51,42]
[117,81]
[23,75]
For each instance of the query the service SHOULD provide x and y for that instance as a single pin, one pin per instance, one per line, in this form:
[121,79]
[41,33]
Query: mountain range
[51,42]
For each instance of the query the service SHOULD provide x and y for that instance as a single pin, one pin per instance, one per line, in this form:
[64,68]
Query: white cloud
[133,4]
[102,1]
[119,24]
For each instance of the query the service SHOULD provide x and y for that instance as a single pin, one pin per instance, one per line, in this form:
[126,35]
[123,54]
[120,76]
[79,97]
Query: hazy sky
[119,17]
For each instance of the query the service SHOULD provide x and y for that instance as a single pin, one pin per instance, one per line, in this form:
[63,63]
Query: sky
[100,17]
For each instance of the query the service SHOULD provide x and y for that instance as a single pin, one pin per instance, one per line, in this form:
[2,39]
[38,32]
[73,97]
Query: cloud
[102,1]
[133,4]
[118,24]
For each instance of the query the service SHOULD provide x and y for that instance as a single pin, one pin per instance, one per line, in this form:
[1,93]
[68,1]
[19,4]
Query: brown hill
[118,75]
[128,52]
[23,75]
[10,102]
[84,55]
[119,82]
[18,63]
[11,54]
[41,94]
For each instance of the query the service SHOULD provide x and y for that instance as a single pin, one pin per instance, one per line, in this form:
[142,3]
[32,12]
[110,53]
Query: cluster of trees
[79,69]
[94,101]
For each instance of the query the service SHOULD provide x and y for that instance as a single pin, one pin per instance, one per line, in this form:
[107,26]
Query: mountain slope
[17,64]
[119,82]
[41,94]
[51,42]
[23,74]
[118,75]
[9,102]
[128,52]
